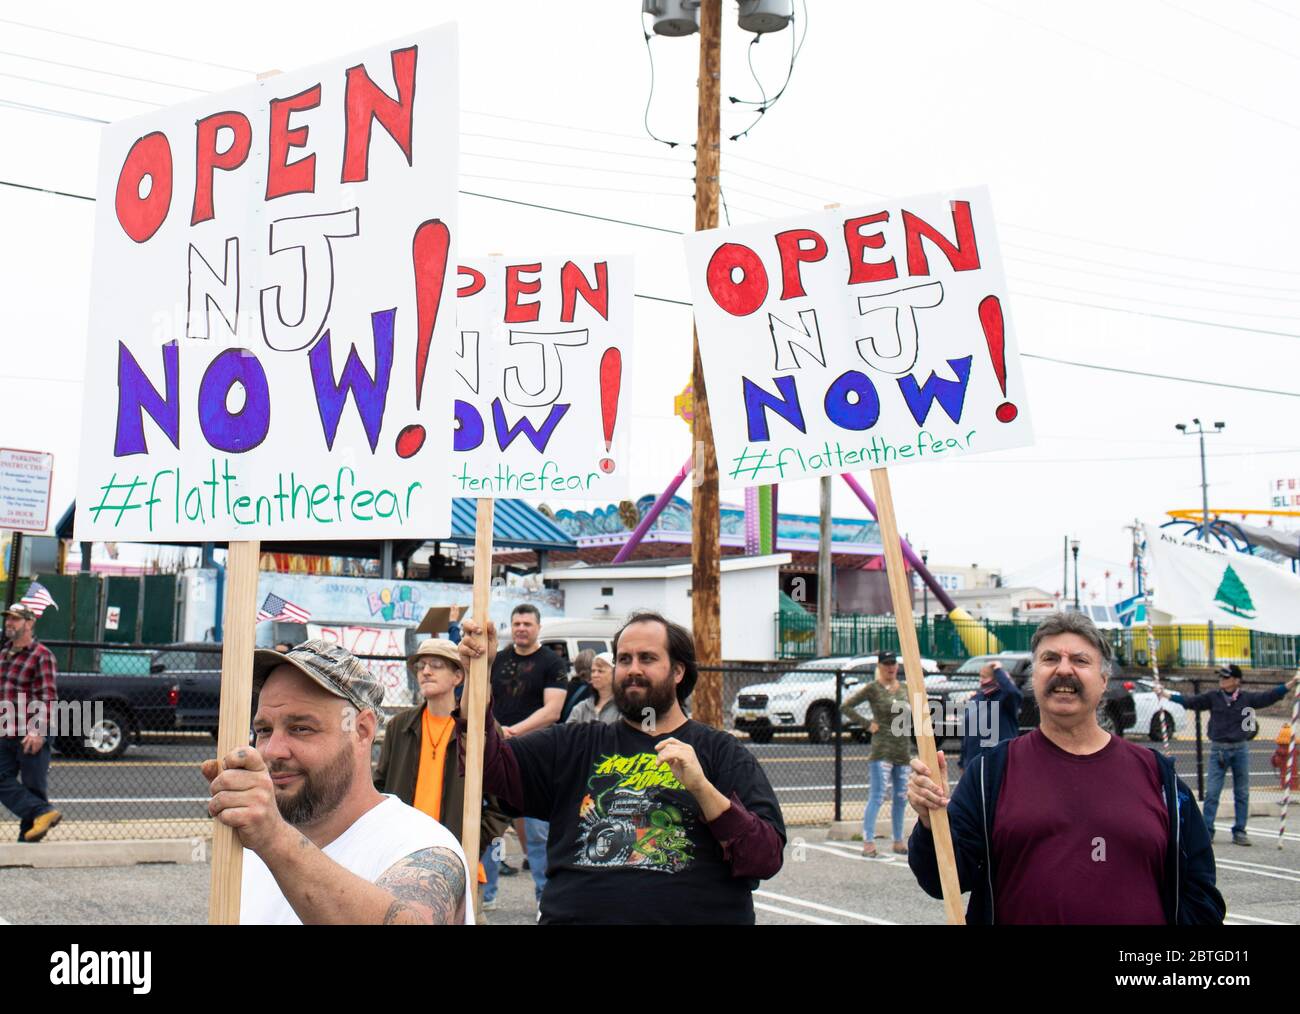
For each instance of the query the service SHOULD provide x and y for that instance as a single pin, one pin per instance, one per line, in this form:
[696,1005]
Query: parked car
[1116,712]
[1151,711]
[803,699]
[122,707]
[196,668]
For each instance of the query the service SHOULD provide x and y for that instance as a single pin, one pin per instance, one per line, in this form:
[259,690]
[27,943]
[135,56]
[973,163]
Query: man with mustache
[653,818]
[1069,824]
[321,845]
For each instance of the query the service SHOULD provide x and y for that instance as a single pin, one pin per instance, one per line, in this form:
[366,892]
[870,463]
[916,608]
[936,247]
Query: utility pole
[1205,513]
[706,550]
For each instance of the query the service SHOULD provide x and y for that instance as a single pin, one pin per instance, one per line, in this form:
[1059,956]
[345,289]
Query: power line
[48,111]
[1294,298]
[122,45]
[108,73]
[1158,316]
[574,165]
[43,190]
[75,88]
[1277,10]
[577,214]
[572,186]
[1157,302]
[1160,376]
[1230,30]
[549,123]
[1133,267]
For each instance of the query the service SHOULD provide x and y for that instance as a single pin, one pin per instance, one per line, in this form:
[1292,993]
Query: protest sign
[1199,581]
[544,346]
[270,294]
[857,338]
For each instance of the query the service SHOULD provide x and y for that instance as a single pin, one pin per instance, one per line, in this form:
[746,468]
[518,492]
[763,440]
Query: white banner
[1199,581]
[271,308]
[539,379]
[857,338]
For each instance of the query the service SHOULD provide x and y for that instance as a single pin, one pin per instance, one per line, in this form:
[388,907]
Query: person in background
[453,623]
[528,691]
[417,763]
[283,647]
[994,707]
[1278,760]
[1232,725]
[27,678]
[580,684]
[890,749]
[600,706]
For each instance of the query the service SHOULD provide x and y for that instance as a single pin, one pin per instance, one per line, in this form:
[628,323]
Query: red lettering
[790,245]
[738,298]
[860,269]
[365,102]
[573,282]
[140,217]
[965,256]
[282,176]
[517,312]
[475,283]
[208,159]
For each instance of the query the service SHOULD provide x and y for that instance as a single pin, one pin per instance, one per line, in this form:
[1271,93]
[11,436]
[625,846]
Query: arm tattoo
[427,887]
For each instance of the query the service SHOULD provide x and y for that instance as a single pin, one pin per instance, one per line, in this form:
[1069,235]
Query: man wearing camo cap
[321,844]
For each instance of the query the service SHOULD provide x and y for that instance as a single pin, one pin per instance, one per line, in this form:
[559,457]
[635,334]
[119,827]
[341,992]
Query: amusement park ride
[1265,541]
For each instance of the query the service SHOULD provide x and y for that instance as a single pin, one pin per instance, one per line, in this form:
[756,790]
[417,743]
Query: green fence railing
[1182,646]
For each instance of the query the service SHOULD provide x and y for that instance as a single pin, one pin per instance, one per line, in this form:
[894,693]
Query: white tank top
[379,838]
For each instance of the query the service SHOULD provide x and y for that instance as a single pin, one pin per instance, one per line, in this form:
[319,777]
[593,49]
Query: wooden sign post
[900,593]
[236,707]
[474,699]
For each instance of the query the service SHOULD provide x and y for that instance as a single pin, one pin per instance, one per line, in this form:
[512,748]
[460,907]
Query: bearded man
[321,844]
[654,818]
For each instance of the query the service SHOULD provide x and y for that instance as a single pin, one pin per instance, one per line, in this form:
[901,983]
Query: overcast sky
[1141,158]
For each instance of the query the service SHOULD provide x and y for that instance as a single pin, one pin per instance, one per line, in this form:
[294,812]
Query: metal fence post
[839,748]
[1200,753]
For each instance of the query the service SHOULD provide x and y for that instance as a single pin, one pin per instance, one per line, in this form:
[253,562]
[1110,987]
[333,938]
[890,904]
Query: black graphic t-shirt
[518,682]
[628,843]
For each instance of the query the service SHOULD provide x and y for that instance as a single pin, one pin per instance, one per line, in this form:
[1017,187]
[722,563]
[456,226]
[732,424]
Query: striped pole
[1152,653]
[1290,766]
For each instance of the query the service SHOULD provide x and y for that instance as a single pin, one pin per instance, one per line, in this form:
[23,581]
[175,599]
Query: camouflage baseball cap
[331,666]
[21,612]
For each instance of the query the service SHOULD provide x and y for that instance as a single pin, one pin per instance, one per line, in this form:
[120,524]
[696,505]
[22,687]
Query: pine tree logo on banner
[1233,596]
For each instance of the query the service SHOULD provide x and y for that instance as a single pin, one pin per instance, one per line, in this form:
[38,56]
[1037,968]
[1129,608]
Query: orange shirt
[435,734]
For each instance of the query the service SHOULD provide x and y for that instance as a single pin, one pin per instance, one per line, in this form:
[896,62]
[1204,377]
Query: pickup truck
[122,707]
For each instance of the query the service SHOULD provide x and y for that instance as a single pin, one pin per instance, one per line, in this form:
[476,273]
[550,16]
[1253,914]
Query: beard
[658,697]
[321,791]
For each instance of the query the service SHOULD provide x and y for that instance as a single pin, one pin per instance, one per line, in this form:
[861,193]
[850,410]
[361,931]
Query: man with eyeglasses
[417,763]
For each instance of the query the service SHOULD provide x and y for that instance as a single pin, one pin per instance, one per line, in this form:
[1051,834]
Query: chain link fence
[148,716]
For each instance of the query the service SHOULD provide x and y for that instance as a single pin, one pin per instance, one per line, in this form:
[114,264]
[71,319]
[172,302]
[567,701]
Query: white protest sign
[539,377]
[25,479]
[1197,581]
[271,297]
[858,337]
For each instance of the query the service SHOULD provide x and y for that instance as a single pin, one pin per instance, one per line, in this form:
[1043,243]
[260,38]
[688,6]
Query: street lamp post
[925,600]
[1074,549]
[1201,433]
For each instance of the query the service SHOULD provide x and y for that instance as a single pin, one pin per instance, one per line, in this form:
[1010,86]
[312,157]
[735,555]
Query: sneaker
[900,848]
[1239,838]
[869,850]
[42,824]
[504,869]
[525,866]
[491,904]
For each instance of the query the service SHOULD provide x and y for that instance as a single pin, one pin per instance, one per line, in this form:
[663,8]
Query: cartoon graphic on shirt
[626,819]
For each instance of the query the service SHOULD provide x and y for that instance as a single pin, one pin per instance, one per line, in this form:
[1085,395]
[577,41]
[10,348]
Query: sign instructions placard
[271,306]
[25,481]
[857,338]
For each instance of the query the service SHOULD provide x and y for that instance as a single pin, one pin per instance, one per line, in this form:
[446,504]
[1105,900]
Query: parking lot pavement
[822,882]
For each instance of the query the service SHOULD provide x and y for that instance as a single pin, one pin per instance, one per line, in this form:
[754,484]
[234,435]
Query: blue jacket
[1004,702]
[1188,893]
[1227,721]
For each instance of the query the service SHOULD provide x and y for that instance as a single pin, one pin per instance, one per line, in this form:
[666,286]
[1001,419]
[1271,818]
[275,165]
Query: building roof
[660,568]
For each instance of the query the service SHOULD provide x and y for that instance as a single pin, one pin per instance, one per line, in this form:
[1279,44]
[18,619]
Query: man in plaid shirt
[26,675]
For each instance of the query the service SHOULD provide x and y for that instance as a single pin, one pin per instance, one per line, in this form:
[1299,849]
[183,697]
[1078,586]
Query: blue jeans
[537,831]
[489,861]
[24,781]
[881,772]
[1225,757]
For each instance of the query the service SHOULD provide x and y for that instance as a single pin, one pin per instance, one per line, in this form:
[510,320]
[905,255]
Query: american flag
[38,598]
[276,608]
